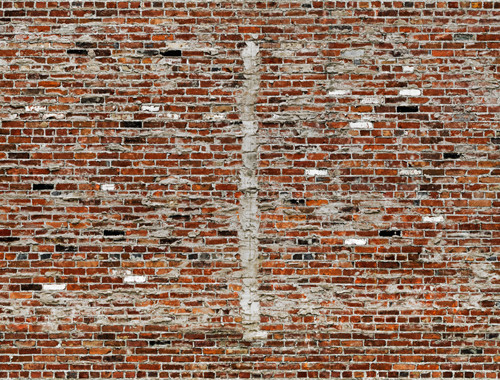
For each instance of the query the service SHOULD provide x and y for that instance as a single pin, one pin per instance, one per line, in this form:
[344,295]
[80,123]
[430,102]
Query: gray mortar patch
[249,220]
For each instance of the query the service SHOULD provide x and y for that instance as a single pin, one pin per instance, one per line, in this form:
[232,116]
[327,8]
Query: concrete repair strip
[249,218]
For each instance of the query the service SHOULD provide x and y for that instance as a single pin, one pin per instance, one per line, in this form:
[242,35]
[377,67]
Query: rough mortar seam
[248,214]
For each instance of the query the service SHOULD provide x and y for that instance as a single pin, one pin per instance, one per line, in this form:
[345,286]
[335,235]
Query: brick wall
[249,189]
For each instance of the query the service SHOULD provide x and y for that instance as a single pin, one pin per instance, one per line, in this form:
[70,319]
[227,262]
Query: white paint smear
[316,172]
[433,219]
[370,100]
[134,279]
[361,125]
[355,241]
[172,116]
[35,108]
[410,92]
[214,116]
[150,108]
[57,116]
[108,186]
[54,287]
[408,69]
[339,92]
[410,172]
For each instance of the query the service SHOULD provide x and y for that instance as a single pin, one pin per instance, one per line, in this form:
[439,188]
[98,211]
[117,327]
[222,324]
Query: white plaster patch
[433,219]
[35,108]
[355,241]
[249,218]
[410,92]
[361,125]
[108,186]
[250,335]
[249,54]
[370,100]
[317,172]
[213,116]
[150,108]
[134,279]
[57,116]
[53,287]
[355,53]
[339,92]
[408,69]
[172,116]
[410,172]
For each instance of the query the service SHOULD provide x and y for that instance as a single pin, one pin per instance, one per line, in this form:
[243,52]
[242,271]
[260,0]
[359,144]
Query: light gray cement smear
[249,218]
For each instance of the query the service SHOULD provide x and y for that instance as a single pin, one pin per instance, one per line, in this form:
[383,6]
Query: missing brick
[31,287]
[451,156]
[65,248]
[471,351]
[407,109]
[92,100]
[159,342]
[9,239]
[77,51]
[389,233]
[43,186]
[296,202]
[302,256]
[171,53]
[114,233]
[86,45]
[131,124]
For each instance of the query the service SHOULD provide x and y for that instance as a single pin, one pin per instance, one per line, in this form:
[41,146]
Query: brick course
[249,189]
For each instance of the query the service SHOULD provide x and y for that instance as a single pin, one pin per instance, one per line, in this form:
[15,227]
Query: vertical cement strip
[249,218]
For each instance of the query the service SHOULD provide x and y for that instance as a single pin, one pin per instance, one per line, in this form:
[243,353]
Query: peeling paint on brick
[355,241]
[433,219]
[339,92]
[361,125]
[53,287]
[134,279]
[107,187]
[409,92]
[170,116]
[371,100]
[150,108]
[35,108]
[410,172]
[57,116]
[214,116]
[316,172]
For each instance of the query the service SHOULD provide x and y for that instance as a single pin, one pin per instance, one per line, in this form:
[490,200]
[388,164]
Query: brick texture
[249,189]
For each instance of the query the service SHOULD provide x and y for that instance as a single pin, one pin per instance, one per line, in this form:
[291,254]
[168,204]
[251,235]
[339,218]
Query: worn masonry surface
[249,189]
